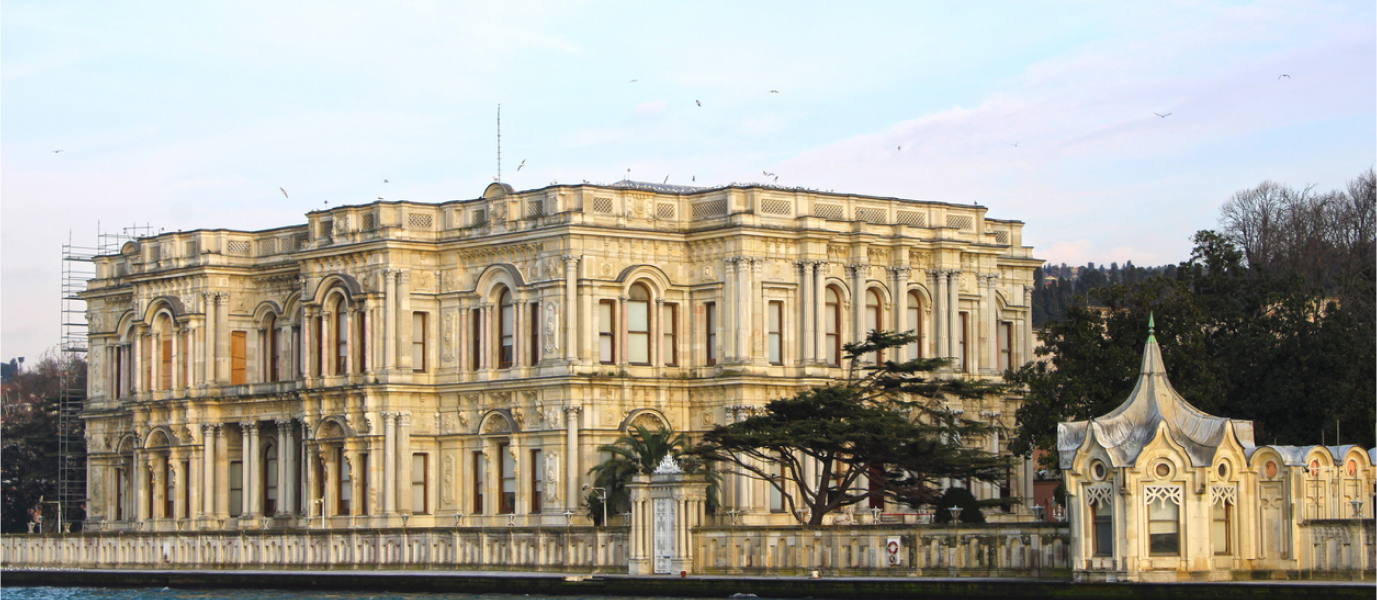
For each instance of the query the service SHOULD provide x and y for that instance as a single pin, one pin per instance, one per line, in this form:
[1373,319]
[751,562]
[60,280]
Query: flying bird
[776,178]
[694,179]
[901,149]
[284,193]
[1283,75]
[385,181]
[523,163]
[774,91]
[1162,115]
[767,173]
[1015,144]
[56,151]
[699,102]
[666,179]
[632,81]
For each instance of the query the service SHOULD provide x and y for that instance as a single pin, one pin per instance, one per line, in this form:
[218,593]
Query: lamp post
[568,518]
[602,495]
[1357,508]
[874,515]
[955,514]
[1038,512]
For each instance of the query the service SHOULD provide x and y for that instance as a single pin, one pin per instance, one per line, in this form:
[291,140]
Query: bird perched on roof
[284,193]
[1162,115]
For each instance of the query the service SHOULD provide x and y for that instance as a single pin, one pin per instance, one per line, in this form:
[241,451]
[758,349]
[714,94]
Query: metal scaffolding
[78,267]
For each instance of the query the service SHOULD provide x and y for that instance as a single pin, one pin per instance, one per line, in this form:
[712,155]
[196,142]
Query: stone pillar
[138,477]
[221,460]
[729,310]
[991,311]
[180,509]
[222,358]
[404,320]
[953,313]
[570,315]
[402,483]
[819,306]
[389,478]
[485,356]
[571,455]
[309,341]
[858,277]
[284,466]
[208,434]
[805,311]
[745,313]
[621,352]
[757,334]
[206,369]
[901,323]
[939,314]
[657,333]
[389,319]
[1027,350]
[250,470]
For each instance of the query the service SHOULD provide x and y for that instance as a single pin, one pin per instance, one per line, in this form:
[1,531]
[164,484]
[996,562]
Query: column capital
[487,306]
[403,276]
[403,419]
[659,301]
[573,409]
[728,265]
[571,260]
[388,416]
[250,427]
[283,421]
[221,298]
[901,271]
[757,264]
[621,300]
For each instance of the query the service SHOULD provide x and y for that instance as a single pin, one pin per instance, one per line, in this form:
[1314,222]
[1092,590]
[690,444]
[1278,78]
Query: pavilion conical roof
[1124,431]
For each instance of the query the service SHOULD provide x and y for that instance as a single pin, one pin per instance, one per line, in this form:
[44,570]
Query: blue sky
[189,115]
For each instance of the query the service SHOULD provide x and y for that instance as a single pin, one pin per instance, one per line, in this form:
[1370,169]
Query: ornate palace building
[433,365]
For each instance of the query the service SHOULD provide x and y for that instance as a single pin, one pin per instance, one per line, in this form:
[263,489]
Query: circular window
[1098,470]
[1163,469]
[1271,469]
[1223,470]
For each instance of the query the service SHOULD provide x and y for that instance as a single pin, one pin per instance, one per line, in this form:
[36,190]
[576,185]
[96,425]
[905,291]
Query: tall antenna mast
[499,143]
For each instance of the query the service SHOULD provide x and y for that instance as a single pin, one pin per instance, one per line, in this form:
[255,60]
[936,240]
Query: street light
[1038,511]
[955,514]
[1357,508]
[602,495]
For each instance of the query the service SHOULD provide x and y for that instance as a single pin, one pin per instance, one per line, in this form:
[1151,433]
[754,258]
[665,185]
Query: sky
[187,115]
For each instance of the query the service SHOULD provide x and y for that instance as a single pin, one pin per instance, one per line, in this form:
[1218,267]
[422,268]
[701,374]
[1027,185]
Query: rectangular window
[1219,534]
[270,483]
[120,483]
[239,341]
[961,341]
[341,332]
[1006,331]
[236,488]
[318,363]
[873,479]
[273,351]
[169,491]
[165,365]
[119,372]
[1164,527]
[535,334]
[776,317]
[363,483]
[476,340]
[184,357]
[186,487]
[507,333]
[638,332]
[537,484]
[420,484]
[1102,515]
[361,342]
[669,325]
[418,341]
[480,476]
[607,332]
[507,469]
[344,486]
[710,331]
[915,324]
[297,357]
[832,328]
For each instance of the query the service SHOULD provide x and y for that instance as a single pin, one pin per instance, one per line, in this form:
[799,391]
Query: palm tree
[638,452]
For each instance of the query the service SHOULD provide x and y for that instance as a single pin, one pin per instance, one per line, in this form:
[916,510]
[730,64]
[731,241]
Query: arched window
[832,329]
[915,324]
[341,334]
[271,348]
[507,329]
[164,329]
[874,317]
[344,485]
[269,480]
[638,325]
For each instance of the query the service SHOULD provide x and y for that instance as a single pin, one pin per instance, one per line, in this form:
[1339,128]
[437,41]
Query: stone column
[284,466]
[953,313]
[745,313]
[222,358]
[208,434]
[309,343]
[901,323]
[621,352]
[404,318]
[138,478]
[206,369]
[250,470]
[858,276]
[485,346]
[180,509]
[389,478]
[221,460]
[991,310]
[729,310]
[819,306]
[402,483]
[939,313]
[571,263]
[1027,350]
[571,455]
[389,319]
[757,334]
[657,334]
[805,311]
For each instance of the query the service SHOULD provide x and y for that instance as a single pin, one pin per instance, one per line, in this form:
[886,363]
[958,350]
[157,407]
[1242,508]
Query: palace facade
[458,364]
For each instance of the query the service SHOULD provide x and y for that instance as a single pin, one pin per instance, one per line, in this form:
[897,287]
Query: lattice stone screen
[370,221]
[192,249]
[960,222]
[268,246]
[775,206]
[831,212]
[602,205]
[535,208]
[665,210]
[872,215]
[422,221]
[912,218]
[238,247]
[710,209]
[1002,237]
[480,216]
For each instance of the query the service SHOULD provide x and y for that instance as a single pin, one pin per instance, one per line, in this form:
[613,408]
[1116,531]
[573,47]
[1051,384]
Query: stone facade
[399,364]
[1160,491]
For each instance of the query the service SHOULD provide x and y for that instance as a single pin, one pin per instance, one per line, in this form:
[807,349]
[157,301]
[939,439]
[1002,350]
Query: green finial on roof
[1151,338]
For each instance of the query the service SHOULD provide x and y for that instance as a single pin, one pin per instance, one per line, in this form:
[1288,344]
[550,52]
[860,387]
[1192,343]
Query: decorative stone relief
[552,476]
[551,334]
[448,479]
[447,338]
